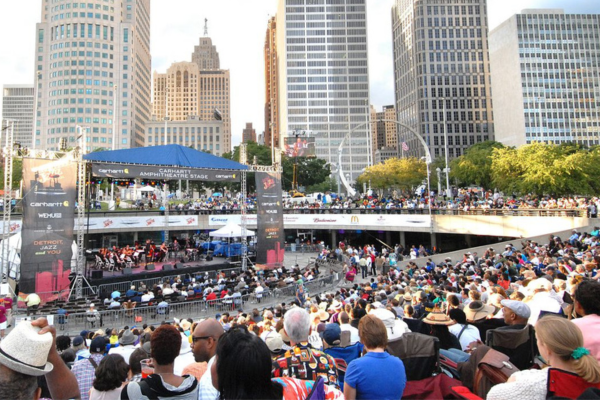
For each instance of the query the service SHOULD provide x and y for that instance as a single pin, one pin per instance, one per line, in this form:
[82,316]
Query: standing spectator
[33,301]
[3,321]
[111,375]
[302,361]
[85,370]
[204,345]
[7,302]
[126,345]
[586,300]
[301,295]
[163,383]
[92,316]
[376,375]
[362,263]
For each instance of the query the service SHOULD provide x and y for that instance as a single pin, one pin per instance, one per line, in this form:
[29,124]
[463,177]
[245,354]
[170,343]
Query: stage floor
[161,269]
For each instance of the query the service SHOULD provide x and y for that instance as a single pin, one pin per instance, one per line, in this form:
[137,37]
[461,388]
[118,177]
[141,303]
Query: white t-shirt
[469,335]
[353,332]
[206,390]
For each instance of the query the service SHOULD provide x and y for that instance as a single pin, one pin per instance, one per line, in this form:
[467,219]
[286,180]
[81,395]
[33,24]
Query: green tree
[474,167]
[540,168]
[17,173]
[263,157]
[310,171]
[395,173]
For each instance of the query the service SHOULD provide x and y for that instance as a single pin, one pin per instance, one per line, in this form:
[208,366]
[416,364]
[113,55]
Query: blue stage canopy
[172,155]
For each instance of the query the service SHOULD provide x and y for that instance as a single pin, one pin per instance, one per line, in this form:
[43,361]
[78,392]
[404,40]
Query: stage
[159,269]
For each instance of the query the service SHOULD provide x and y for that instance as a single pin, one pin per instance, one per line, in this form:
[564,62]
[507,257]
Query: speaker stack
[149,267]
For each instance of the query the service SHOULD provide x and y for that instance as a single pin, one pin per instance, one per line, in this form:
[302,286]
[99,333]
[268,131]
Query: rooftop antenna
[205,27]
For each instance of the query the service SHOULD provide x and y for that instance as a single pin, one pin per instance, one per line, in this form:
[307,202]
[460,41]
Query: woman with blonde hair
[561,346]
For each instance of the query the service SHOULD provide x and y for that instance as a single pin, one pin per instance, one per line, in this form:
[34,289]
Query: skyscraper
[324,79]
[17,105]
[545,78]
[87,56]
[271,86]
[194,94]
[442,74]
[205,55]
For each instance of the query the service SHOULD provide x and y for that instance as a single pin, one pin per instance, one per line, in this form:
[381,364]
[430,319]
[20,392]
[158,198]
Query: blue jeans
[455,355]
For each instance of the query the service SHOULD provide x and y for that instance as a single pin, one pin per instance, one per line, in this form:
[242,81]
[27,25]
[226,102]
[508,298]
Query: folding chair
[99,263]
[519,345]
[566,384]
[419,353]
[343,356]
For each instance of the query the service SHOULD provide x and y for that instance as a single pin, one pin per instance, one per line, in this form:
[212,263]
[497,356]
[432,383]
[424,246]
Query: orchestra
[115,258]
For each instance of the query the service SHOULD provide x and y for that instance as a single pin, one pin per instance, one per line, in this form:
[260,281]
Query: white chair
[99,263]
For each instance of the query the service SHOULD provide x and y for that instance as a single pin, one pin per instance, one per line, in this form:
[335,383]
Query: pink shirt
[590,326]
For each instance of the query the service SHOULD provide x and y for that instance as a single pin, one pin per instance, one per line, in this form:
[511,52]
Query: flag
[404,146]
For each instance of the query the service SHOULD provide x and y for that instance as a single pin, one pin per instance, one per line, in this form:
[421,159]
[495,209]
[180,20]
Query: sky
[237,28]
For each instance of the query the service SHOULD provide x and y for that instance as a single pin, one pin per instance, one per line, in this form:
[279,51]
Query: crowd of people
[338,343]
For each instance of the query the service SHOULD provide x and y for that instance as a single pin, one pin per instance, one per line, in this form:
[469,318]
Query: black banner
[270,234]
[49,188]
[117,171]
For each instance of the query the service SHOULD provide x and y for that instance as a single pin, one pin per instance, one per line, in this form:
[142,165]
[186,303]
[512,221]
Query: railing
[528,212]
[153,314]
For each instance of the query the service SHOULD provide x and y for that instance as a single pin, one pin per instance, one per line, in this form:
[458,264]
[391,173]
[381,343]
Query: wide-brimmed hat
[437,318]
[127,338]
[185,325]
[336,305]
[24,350]
[321,314]
[407,297]
[477,310]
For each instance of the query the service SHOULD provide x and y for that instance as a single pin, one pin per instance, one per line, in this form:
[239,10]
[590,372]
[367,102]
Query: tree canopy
[475,166]
[395,173]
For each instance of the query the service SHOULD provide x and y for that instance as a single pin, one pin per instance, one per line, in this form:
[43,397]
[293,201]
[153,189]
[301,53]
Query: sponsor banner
[348,221]
[299,146]
[117,171]
[270,233]
[49,188]
[15,226]
[156,221]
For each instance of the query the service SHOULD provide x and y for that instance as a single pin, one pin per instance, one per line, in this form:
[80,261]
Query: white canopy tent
[231,230]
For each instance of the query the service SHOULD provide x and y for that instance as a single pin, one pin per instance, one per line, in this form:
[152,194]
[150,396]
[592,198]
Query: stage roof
[169,155]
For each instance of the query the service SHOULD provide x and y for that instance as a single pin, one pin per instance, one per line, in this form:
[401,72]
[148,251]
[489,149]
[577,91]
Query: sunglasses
[198,338]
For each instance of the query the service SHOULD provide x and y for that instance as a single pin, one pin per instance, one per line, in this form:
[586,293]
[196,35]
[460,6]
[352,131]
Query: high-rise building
[205,55]
[442,74]
[190,132]
[271,85]
[384,132]
[92,70]
[249,133]
[545,78]
[17,106]
[323,77]
[195,91]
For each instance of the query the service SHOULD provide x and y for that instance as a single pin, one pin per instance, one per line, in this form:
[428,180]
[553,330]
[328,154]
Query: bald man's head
[205,339]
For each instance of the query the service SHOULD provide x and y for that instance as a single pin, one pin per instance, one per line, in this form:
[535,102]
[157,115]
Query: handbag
[492,369]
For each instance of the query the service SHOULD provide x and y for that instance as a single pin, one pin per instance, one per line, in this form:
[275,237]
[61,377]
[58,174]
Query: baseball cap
[332,334]
[274,342]
[98,345]
[518,307]
[77,341]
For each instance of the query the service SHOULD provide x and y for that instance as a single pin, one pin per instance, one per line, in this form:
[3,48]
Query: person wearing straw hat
[477,311]
[439,322]
[29,351]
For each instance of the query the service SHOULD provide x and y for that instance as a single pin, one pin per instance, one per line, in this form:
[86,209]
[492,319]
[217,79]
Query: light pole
[439,176]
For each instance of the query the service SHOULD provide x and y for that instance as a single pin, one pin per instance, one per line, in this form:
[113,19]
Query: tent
[231,230]
[168,155]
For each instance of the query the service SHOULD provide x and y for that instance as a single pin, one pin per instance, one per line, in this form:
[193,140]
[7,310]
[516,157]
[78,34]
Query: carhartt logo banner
[49,188]
[270,233]
[105,170]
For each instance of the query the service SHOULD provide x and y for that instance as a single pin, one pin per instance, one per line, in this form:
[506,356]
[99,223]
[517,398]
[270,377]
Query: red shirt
[2,314]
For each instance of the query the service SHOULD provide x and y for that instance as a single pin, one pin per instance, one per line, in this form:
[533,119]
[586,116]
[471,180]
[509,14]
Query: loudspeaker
[179,265]
[209,258]
[97,274]
[127,271]
[149,267]
[167,267]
